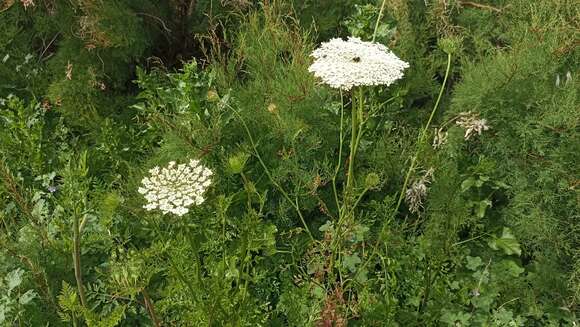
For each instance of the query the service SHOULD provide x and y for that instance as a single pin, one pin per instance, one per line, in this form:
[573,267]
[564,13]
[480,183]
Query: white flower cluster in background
[175,188]
[344,64]
[472,124]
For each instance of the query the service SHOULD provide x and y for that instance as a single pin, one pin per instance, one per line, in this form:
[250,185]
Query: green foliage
[13,300]
[95,94]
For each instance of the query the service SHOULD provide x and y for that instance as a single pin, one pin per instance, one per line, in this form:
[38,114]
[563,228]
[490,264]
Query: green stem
[423,136]
[77,259]
[379,19]
[278,186]
[361,120]
[358,200]
[413,162]
[346,214]
[150,308]
[182,278]
[173,265]
[339,155]
[189,236]
[356,128]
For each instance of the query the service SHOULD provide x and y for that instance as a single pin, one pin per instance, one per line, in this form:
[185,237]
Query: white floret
[173,189]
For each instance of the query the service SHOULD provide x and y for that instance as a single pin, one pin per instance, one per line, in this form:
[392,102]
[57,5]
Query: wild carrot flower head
[173,189]
[344,64]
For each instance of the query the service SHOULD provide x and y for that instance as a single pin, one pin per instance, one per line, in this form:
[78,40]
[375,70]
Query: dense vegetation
[431,225]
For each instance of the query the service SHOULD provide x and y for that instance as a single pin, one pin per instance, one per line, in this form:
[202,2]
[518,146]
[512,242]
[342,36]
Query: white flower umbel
[173,189]
[345,64]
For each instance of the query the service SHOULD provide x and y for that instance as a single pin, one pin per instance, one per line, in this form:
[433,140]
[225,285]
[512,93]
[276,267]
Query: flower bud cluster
[173,189]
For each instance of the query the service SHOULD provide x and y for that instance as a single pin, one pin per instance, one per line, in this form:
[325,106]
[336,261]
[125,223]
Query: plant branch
[356,128]
[478,5]
[423,135]
[77,259]
[267,171]
[150,307]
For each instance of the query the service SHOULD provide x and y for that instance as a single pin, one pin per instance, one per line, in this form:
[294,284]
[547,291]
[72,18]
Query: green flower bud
[237,162]
[449,45]
[212,96]
[372,180]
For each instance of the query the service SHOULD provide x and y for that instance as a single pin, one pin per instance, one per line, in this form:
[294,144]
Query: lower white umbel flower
[345,64]
[175,188]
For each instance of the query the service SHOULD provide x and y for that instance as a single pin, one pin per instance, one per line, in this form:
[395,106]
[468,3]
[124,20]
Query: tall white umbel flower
[345,64]
[173,189]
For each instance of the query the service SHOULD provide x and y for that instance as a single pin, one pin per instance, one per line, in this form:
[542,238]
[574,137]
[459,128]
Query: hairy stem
[354,129]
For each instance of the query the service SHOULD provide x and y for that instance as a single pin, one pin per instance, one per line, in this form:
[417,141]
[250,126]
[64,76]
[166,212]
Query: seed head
[472,124]
[416,194]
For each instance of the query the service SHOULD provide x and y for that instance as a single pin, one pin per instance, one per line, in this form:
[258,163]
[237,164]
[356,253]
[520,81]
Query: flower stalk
[423,136]
[267,171]
[77,258]
[414,160]
[379,19]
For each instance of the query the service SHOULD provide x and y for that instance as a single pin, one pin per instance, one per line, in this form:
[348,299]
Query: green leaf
[362,275]
[482,208]
[455,318]
[27,297]
[359,232]
[318,292]
[473,263]
[467,184]
[327,227]
[314,267]
[510,267]
[351,261]
[507,242]
[14,278]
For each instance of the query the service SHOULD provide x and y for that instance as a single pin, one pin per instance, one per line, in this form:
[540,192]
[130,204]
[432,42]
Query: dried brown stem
[150,308]
[479,5]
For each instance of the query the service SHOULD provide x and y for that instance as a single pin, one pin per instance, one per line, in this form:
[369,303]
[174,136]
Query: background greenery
[95,93]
